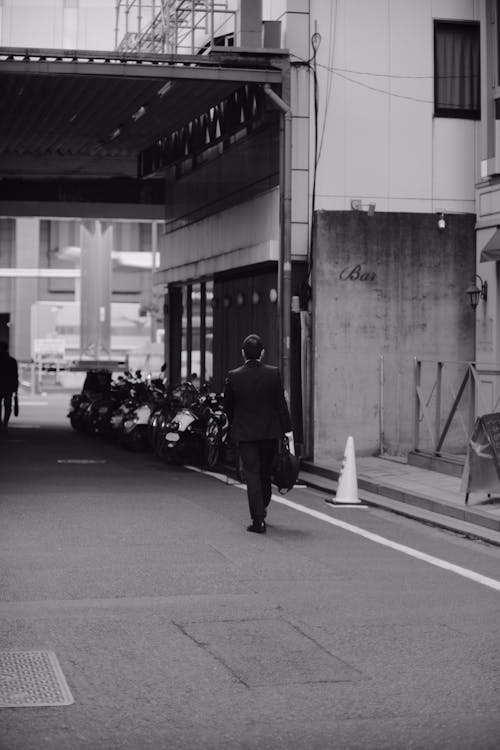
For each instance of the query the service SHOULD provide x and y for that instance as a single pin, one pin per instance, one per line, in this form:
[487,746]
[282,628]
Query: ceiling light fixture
[140,113]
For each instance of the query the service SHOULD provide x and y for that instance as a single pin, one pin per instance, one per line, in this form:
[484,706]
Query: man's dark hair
[4,347]
[253,346]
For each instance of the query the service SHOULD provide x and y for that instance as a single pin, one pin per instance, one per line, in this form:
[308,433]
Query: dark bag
[16,405]
[286,467]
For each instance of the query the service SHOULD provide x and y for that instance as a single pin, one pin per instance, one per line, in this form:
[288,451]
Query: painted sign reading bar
[356,273]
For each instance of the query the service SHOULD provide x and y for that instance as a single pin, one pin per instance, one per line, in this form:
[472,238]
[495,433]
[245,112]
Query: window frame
[452,112]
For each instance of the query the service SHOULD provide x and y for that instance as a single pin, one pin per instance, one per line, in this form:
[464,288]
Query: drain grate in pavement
[32,678]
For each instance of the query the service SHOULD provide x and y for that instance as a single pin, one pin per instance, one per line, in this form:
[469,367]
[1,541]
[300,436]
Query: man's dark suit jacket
[9,382]
[255,403]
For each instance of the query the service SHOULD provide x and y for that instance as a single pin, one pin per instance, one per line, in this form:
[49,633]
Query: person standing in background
[9,383]
[258,416]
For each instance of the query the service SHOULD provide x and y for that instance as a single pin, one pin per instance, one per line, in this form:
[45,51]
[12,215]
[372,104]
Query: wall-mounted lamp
[476,292]
[441,222]
[357,205]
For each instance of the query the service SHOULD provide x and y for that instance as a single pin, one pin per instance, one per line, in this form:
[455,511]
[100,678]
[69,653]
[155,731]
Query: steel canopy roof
[80,114]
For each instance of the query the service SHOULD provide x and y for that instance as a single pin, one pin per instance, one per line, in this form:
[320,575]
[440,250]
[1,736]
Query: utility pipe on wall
[285,257]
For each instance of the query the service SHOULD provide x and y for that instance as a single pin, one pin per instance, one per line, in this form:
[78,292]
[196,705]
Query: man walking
[258,417]
[9,383]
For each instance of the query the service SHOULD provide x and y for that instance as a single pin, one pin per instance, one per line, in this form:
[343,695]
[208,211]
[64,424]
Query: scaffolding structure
[173,26]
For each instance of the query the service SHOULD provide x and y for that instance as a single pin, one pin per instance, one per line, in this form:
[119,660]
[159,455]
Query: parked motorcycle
[216,430]
[161,415]
[135,426]
[96,385]
[184,433]
[180,425]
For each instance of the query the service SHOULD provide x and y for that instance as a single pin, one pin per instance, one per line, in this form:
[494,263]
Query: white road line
[436,561]
[81,460]
[464,572]
[33,403]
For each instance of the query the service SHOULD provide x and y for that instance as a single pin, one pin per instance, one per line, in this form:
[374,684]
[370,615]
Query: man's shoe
[258,527]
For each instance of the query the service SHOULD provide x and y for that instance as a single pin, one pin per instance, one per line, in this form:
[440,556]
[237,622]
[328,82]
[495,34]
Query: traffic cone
[347,489]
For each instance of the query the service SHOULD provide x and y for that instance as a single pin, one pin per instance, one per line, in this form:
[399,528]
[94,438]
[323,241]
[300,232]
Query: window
[456,70]
[196,333]
[70,24]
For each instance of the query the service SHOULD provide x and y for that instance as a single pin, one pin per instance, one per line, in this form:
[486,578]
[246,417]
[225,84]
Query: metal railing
[448,398]
[171,26]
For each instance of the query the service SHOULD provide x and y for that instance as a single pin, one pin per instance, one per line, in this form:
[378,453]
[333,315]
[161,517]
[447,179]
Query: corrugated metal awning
[76,114]
[491,251]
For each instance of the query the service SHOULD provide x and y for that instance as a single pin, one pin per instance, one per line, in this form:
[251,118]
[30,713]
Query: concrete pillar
[249,24]
[27,255]
[96,243]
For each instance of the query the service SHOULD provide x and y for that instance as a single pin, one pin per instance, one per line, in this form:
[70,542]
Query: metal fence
[448,396]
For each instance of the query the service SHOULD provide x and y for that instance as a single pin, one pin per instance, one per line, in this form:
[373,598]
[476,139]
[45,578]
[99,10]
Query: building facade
[488,205]
[393,133]
[384,155]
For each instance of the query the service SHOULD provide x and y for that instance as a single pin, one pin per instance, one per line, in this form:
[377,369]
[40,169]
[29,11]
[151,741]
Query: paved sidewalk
[429,496]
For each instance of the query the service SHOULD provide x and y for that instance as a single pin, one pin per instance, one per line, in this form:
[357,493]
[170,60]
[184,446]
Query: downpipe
[285,258]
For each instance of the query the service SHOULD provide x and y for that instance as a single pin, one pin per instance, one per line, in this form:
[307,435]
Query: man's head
[253,347]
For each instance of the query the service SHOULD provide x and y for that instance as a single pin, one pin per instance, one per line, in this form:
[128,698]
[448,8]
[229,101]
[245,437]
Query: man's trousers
[257,457]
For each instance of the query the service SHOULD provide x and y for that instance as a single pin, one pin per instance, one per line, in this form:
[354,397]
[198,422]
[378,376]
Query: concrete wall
[27,249]
[7,234]
[388,285]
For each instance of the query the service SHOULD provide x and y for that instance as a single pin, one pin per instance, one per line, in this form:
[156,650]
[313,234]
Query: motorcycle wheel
[212,443]
[211,455]
[74,422]
[173,457]
[136,441]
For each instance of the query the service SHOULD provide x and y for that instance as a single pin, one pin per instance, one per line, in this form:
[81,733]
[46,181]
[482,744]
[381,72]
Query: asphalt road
[178,630]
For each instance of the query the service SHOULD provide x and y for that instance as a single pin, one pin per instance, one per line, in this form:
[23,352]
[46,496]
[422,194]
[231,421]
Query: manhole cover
[32,678]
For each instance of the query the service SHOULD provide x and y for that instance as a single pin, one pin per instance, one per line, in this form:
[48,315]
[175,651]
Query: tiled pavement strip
[428,496]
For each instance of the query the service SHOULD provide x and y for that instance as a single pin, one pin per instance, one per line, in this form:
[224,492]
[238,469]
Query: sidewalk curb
[471,523]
